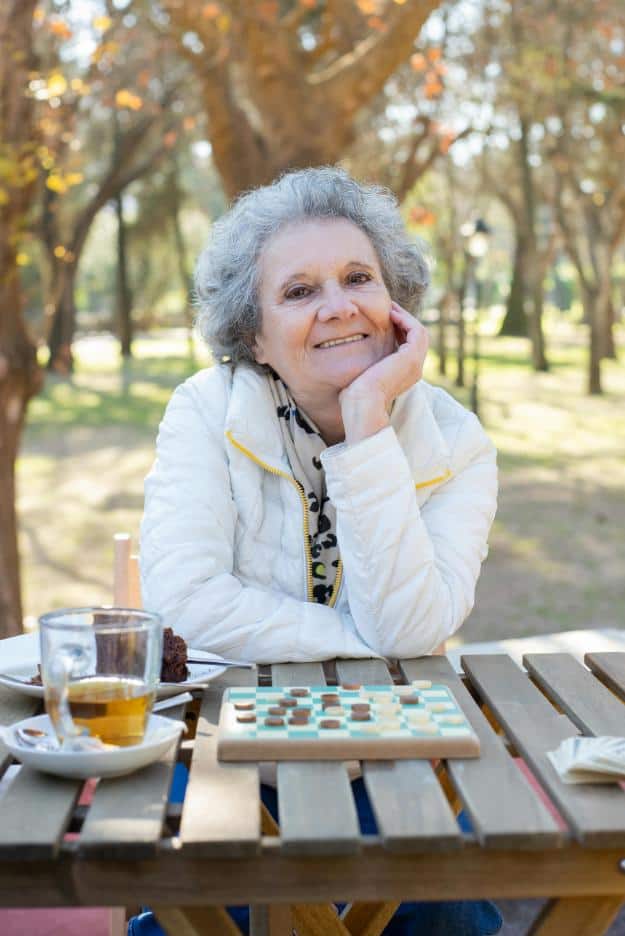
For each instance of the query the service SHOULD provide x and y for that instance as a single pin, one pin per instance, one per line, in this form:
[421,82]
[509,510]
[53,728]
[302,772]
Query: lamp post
[475,235]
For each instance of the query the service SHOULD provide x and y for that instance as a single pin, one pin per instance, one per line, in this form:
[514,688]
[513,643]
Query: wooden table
[130,847]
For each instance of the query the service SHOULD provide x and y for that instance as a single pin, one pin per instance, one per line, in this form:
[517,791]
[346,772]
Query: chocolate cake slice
[174,667]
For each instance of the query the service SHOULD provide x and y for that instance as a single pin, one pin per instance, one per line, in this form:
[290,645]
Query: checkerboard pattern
[421,719]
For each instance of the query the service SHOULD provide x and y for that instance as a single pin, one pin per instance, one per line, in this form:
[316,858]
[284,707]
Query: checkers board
[346,722]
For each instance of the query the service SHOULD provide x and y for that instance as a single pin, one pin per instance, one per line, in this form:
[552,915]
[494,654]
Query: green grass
[104,392]
[558,540]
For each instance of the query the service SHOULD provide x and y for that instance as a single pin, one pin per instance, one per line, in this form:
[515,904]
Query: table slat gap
[315,803]
[127,814]
[593,708]
[504,809]
[35,813]
[595,815]
[221,809]
[411,809]
[610,668]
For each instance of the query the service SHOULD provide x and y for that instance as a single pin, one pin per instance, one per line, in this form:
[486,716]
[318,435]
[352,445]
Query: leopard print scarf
[303,444]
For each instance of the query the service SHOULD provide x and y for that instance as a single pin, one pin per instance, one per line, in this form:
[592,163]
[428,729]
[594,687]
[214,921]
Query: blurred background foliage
[126,127]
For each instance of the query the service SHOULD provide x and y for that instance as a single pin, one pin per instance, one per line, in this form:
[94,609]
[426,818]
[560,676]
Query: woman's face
[325,308]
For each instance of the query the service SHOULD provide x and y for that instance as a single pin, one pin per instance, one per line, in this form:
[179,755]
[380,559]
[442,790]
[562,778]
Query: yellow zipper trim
[443,477]
[302,496]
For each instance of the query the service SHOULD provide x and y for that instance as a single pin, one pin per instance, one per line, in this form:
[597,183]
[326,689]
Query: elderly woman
[312,496]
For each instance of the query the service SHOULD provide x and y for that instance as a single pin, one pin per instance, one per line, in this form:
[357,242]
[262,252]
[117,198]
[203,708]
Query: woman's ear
[258,350]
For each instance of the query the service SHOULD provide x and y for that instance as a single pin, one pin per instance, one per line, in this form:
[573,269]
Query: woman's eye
[359,277]
[298,292]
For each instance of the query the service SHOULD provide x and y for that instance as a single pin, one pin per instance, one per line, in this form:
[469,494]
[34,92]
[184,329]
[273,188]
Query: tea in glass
[110,708]
[100,669]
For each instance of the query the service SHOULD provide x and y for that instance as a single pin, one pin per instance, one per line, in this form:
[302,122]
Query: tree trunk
[609,345]
[589,299]
[537,336]
[63,325]
[20,375]
[515,320]
[124,294]
[262,95]
[20,379]
[443,318]
[533,270]
[181,256]
[460,351]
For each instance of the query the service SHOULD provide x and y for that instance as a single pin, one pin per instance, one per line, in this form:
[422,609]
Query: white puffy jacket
[224,546]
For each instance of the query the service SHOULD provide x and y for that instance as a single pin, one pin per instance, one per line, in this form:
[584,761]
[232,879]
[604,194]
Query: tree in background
[406,129]
[284,84]
[508,61]
[111,124]
[586,148]
[20,377]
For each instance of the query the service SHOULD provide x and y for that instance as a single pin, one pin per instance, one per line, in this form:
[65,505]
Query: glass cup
[100,669]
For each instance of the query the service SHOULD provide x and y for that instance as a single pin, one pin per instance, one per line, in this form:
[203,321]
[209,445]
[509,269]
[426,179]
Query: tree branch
[358,75]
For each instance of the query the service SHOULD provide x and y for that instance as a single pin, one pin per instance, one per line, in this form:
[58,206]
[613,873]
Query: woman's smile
[340,342]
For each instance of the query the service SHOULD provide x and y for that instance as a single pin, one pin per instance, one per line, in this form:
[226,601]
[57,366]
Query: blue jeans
[430,918]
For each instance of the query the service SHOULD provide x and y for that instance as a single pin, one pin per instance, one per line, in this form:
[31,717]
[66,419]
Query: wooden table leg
[271,920]
[196,921]
[368,919]
[317,920]
[584,916]
[307,919]
[268,825]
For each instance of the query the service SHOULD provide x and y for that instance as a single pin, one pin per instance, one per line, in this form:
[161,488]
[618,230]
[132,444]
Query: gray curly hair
[227,272]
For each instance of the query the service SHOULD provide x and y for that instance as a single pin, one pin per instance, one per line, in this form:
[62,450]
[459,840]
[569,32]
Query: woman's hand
[366,402]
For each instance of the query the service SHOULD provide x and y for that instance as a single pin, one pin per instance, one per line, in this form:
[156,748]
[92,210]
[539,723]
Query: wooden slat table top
[35,813]
[410,808]
[609,667]
[589,704]
[127,813]
[503,808]
[317,812]
[221,814]
[595,814]
[35,810]
[221,810]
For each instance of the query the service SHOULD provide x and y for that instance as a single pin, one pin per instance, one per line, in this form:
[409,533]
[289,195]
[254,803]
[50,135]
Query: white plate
[160,734]
[19,657]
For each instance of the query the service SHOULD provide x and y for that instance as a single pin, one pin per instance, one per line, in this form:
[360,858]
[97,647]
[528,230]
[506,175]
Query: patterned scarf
[303,444]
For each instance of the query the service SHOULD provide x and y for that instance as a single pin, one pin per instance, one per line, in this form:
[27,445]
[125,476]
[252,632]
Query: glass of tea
[100,669]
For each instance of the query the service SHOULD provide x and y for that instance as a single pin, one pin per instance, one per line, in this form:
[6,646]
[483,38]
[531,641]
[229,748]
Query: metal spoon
[37,738]
[34,738]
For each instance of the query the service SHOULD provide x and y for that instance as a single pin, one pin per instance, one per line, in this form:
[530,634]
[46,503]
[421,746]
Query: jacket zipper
[306,523]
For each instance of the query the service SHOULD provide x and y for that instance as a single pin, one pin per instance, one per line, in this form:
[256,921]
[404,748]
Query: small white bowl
[160,734]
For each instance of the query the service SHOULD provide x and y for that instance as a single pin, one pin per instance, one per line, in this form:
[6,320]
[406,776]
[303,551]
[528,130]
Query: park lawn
[558,540]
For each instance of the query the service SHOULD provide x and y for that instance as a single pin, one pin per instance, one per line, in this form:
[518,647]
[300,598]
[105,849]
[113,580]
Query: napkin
[590,760]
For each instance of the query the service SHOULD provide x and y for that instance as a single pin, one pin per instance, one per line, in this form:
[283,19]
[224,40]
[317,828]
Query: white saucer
[19,657]
[160,734]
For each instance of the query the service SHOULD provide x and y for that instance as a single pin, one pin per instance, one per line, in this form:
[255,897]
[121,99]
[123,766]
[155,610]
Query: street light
[475,235]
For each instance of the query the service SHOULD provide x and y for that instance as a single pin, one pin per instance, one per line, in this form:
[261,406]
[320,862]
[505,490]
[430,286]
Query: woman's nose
[336,303]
